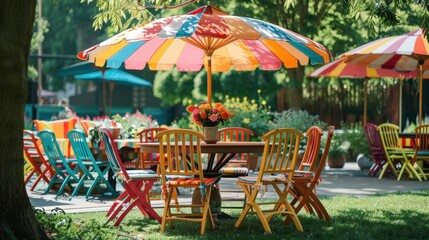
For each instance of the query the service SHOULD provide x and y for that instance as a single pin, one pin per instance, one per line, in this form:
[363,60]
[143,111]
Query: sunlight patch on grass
[397,216]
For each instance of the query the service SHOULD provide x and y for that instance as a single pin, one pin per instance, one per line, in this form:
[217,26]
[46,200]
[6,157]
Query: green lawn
[387,216]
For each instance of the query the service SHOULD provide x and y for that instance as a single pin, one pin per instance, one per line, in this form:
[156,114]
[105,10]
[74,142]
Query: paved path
[349,180]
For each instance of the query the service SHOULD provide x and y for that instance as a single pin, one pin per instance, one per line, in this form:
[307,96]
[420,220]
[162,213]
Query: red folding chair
[136,183]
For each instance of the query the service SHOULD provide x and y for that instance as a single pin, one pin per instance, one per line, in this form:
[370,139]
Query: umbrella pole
[111,87]
[420,91]
[104,92]
[209,79]
[400,103]
[365,90]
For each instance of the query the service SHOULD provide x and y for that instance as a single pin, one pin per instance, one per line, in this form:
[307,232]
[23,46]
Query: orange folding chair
[136,183]
[421,149]
[309,160]
[35,157]
[181,166]
[304,188]
[238,165]
[312,149]
[276,170]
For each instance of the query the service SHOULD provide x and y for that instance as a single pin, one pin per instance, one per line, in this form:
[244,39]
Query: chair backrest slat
[235,134]
[52,150]
[280,151]
[374,141]
[112,153]
[421,141]
[389,136]
[314,136]
[180,152]
[322,161]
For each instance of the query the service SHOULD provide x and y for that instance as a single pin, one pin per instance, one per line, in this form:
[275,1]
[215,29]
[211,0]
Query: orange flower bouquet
[208,116]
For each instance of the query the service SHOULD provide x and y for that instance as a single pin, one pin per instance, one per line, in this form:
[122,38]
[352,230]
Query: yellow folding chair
[181,166]
[28,167]
[398,159]
[276,170]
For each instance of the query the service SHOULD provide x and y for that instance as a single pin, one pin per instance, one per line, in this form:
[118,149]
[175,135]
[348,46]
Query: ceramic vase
[210,134]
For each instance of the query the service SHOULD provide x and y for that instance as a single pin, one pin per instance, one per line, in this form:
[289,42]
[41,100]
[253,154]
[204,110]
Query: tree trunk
[16,27]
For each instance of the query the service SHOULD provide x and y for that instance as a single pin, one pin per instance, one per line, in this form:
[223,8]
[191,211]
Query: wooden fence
[342,100]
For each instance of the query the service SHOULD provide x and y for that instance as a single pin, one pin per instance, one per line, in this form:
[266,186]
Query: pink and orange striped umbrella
[207,36]
[407,52]
[341,69]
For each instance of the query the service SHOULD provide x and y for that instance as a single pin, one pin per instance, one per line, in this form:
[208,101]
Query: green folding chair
[66,169]
[93,173]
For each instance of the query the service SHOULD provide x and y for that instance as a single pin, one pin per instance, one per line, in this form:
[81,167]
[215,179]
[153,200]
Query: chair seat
[270,179]
[139,174]
[305,174]
[190,181]
[423,153]
[234,171]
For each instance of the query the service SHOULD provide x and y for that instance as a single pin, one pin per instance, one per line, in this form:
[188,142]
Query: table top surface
[219,147]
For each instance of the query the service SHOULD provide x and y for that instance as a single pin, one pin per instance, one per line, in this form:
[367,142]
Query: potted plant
[337,152]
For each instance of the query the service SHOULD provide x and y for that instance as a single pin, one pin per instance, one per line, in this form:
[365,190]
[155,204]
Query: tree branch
[171,7]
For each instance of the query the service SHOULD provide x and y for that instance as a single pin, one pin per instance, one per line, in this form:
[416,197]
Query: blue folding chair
[92,175]
[66,169]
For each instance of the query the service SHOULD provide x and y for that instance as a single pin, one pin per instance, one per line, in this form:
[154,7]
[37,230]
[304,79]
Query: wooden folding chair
[376,147]
[309,160]
[151,161]
[28,168]
[181,166]
[34,156]
[66,169]
[397,158]
[136,183]
[237,166]
[304,188]
[92,177]
[312,150]
[421,149]
[276,170]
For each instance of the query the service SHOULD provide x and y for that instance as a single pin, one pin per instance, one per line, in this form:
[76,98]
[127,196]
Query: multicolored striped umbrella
[341,69]
[206,36]
[407,52]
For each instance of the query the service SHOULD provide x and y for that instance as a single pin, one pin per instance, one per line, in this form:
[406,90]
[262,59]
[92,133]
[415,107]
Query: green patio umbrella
[113,76]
